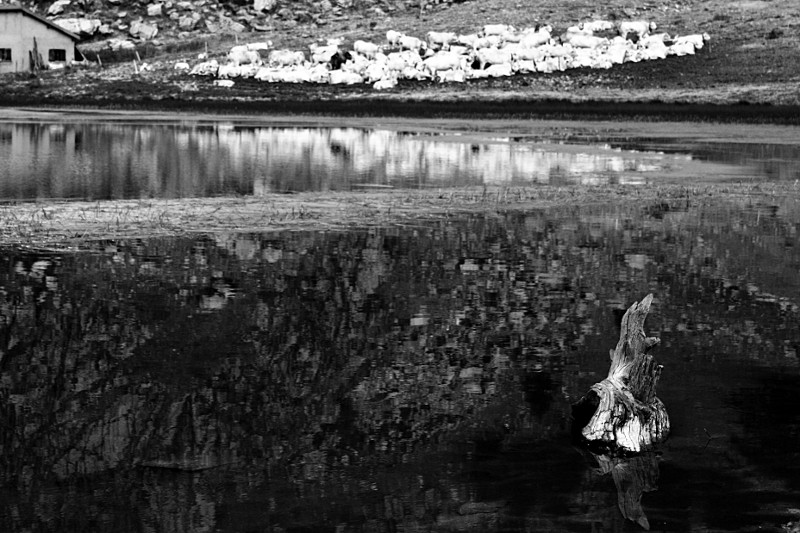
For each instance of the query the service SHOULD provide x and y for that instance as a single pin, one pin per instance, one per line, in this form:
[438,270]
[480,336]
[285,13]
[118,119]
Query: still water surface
[399,379]
[402,379]
[57,157]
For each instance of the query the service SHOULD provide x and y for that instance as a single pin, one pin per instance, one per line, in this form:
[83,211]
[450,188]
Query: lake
[414,378]
[75,156]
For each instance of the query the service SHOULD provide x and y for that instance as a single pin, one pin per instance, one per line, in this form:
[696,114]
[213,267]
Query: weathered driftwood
[622,412]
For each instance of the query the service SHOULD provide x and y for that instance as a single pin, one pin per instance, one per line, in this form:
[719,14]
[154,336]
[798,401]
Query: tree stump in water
[621,414]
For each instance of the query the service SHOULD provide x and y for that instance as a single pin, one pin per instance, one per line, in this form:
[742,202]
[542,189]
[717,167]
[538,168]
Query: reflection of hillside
[104,161]
[360,374]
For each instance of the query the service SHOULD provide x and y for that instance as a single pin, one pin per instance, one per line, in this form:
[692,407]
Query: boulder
[82,27]
[57,7]
[155,10]
[188,22]
[141,30]
[225,25]
[260,5]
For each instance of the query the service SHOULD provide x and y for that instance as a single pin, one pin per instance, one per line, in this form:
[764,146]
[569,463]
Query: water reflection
[396,379]
[97,160]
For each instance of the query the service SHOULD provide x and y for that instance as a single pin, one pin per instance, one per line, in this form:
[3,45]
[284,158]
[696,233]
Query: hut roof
[29,13]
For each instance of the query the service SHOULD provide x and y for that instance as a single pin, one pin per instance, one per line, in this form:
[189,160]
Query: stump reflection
[632,476]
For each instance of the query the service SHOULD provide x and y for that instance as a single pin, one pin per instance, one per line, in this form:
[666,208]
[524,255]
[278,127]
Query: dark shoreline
[464,109]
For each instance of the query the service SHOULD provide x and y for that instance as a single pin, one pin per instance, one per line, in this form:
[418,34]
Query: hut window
[57,54]
[5,54]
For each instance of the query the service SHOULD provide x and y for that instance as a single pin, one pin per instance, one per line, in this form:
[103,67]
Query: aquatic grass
[75,223]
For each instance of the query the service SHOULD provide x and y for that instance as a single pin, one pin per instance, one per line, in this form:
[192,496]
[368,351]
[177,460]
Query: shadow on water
[399,378]
[772,403]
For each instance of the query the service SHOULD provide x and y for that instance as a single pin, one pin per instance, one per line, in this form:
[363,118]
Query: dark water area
[96,159]
[401,379]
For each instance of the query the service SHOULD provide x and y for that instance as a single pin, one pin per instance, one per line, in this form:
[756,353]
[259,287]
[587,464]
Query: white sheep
[536,38]
[681,48]
[497,29]
[375,72]
[523,53]
[526,65]
[415,73]
[459,49]
[322,53]
[601,60]
[445,61]
[286,58]
[356,64]
[552,64]
[407,42]
[578,29]
[295,74]
[634,55]
[440,39]
[468,39]
[453,75]
[655,38]
[698,40]
[400,60]
[319,74]
[488,41]
[557,50]
[366,48]
[616,52]
[385,83]
[475,74]
[206,68]
[655,50]
[393,37]
[240,55]
[583,57]
[493,56]
[584,40]
[248,71]
[224,83]
[598,25]
[498,70]
[639,27]
[338,77]
[230,70]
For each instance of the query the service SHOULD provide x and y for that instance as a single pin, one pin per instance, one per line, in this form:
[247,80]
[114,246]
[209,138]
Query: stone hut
[29,41]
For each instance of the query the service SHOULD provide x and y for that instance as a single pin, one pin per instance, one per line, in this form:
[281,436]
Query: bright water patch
[95,159]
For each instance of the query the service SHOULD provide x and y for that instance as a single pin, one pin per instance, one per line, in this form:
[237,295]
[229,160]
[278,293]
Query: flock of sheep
[497,50]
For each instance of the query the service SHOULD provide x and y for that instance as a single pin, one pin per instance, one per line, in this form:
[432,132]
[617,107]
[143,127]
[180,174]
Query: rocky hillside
[753,57]
[161,21]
